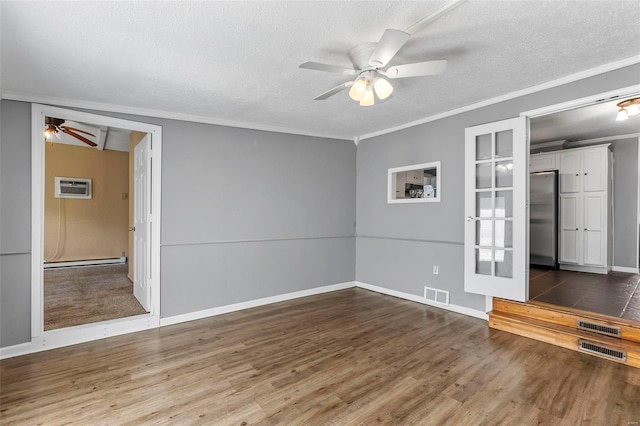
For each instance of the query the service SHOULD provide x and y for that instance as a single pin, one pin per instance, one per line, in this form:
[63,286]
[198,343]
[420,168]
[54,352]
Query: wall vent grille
[598,349]
[436,295]
[608,330]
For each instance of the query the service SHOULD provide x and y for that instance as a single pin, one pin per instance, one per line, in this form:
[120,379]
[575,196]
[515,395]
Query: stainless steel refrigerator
[543,216]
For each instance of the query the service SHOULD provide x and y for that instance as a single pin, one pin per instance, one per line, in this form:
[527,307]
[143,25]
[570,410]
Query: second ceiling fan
[369,61]
[55,126]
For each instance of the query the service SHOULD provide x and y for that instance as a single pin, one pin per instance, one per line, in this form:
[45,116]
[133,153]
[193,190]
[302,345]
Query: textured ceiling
[580,124]
[237,62]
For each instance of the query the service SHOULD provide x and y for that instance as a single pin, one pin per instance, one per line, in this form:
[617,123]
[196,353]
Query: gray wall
[397,244]
[625,202]
[245,214]
[15,223]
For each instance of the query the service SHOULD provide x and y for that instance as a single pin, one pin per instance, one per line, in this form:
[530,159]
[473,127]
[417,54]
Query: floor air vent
[598,349]
[608,330]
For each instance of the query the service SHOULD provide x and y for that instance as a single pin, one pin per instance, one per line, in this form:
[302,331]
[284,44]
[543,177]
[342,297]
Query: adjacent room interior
[584,241]
[88,224]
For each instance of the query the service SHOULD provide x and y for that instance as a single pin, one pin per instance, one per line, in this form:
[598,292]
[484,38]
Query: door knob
[470,218]
[132,228]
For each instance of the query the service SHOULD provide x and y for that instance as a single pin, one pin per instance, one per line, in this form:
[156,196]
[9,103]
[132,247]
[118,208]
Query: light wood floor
[345,358]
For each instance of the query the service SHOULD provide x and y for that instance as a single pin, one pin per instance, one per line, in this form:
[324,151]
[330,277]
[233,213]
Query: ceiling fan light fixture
[629,107]
[368,99]
[622,115]
[49,131]
[358,89]
[382,87]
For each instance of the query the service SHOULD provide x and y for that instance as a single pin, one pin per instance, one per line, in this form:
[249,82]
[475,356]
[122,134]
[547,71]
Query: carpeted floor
[75,296]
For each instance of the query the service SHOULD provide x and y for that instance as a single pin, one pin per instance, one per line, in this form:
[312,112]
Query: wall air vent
[598,349]
[67,187]
[607,330]
[436,295]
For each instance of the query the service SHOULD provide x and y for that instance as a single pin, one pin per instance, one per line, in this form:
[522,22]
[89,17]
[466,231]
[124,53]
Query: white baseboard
[624,269]
[16,350]
[191,316]
[580,268]
[115,261]
[80,334]
[454,308]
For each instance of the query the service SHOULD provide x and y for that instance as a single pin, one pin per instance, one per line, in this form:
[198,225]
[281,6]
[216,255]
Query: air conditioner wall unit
[68,187]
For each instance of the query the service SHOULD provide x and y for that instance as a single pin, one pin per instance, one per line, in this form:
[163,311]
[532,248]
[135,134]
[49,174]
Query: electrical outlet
[436,269]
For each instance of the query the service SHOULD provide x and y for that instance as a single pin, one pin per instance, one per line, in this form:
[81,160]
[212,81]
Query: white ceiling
[236,62]
[581,124]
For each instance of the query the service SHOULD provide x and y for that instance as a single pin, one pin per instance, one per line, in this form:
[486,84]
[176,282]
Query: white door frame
[41,339]
[623,92]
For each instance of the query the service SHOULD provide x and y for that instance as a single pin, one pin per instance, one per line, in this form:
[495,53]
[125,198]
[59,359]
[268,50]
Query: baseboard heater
[114,261]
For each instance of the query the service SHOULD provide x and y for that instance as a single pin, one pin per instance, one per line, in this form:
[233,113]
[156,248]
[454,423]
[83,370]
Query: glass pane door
[495,201]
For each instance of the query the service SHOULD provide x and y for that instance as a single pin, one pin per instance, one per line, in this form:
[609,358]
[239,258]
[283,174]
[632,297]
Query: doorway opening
[584,229]
[88,224]
[95,235]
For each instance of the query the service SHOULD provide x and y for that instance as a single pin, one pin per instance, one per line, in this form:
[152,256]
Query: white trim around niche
[391,183]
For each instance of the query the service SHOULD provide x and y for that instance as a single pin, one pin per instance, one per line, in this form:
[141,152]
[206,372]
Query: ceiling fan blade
[77,136]
[77,130]
[333,91]
[387,47]
[419,69]
[328,68]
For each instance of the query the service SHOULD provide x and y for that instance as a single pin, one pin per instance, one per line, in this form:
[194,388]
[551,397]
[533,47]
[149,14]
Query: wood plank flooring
[343,358]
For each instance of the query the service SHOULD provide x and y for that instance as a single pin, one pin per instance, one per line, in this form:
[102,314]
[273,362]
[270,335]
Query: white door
[496,255]
[141,221]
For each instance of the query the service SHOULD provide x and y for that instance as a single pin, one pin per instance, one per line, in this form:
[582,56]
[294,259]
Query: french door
[496,255]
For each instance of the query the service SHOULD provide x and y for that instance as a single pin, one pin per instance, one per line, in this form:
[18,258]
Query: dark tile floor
[616,294]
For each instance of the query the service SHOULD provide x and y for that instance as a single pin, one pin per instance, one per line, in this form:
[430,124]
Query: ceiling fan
[370,62]
[53,126]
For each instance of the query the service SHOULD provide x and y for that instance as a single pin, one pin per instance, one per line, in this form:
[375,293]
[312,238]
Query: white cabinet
[415,177]
[570,229]
[583,170]
[594,169]
[542,162]
[569,172]
[595,247]
[584,208]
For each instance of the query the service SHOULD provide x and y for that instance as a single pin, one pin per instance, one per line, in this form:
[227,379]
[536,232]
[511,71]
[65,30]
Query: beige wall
[134,139]
[89,229]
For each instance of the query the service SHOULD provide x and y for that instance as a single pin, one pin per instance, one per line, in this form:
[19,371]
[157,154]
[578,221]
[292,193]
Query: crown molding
[148,112]
[512,95]
[97,106]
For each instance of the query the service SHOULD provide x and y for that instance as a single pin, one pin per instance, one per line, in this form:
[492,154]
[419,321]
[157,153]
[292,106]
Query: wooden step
[568,317]
[565,336]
